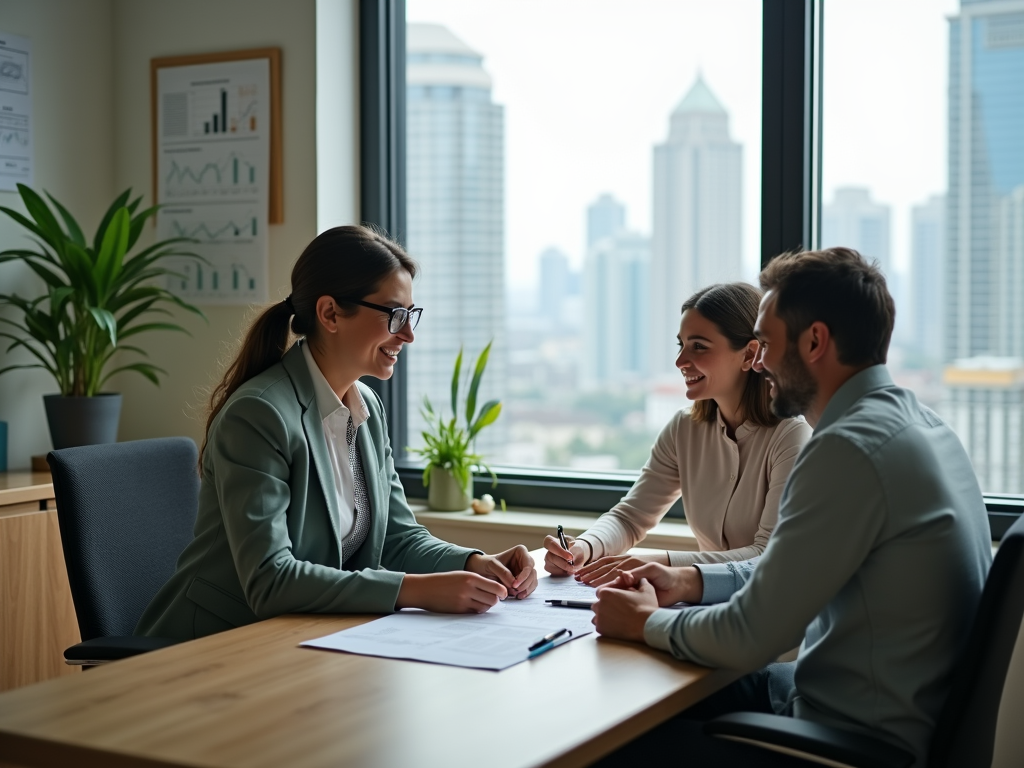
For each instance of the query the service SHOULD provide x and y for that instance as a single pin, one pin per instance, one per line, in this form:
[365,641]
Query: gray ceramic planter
[82,420]
[444,494]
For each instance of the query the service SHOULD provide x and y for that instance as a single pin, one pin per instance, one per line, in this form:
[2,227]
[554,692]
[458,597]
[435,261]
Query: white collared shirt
[334,412]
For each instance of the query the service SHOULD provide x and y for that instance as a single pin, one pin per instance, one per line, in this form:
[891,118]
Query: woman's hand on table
[449,592]
[559,561]
[512,568]
[603,571]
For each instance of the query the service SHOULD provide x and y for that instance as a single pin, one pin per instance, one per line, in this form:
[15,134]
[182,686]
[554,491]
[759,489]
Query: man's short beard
[795,396]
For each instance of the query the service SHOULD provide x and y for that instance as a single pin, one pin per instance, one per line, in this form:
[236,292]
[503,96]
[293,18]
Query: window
[872,125]
[932,186]
[569,184]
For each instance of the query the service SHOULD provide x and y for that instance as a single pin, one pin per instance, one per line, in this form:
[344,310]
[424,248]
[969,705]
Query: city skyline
[575,328]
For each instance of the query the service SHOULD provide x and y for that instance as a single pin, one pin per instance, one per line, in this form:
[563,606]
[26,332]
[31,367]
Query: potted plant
[96,298]
[448,447]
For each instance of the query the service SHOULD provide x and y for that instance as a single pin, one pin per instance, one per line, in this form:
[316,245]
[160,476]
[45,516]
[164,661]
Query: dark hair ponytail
[344,261]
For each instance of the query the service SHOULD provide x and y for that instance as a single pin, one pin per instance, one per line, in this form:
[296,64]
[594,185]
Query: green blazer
[266,536]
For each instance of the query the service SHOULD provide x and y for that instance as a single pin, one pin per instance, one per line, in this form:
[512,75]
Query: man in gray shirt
[882,546]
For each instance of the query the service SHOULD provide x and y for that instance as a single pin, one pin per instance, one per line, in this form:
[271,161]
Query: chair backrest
[126,512]
[966,731]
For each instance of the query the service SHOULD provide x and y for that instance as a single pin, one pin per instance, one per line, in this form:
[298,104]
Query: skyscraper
[928,271]
[616,286]
[556,279]
[697,215]
[984,404]
[455,145]
[854,220]
[606,216]
[616,290]
[984,251]
[984,309]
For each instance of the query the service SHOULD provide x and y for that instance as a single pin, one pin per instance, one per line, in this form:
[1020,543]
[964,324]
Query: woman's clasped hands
[486,580]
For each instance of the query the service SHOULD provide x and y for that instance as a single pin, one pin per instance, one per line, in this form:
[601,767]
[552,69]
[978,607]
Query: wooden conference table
[250,697]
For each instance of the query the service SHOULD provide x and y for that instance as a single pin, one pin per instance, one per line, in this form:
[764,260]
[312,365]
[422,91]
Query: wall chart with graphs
[213,163]
[15,112]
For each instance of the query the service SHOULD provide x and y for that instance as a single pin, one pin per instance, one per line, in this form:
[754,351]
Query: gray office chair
[126,511]
[965,733]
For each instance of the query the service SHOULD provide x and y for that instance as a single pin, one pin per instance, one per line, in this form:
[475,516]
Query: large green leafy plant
[449,445]
[96,294]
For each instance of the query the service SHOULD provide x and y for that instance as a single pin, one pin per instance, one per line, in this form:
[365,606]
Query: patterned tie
[361,512]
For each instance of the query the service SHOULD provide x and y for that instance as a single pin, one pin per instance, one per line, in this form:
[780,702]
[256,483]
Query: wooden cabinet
[37,616]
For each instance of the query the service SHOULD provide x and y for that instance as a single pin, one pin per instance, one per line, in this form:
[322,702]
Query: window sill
[500,530]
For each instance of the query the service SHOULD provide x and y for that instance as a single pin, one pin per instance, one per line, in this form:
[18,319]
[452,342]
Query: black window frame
[791,137]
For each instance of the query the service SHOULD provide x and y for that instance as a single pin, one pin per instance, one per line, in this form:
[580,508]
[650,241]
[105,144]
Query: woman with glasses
[300,507]
[727,457]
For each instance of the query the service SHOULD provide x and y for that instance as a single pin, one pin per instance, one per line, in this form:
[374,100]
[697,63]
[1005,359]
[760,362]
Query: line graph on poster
[197,173]
[231,241]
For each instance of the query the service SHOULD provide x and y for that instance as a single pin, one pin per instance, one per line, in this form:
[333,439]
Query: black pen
[572,603]
[549,639]
[561,540]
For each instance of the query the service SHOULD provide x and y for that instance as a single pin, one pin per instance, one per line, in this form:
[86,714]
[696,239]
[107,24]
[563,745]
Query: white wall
[73,131]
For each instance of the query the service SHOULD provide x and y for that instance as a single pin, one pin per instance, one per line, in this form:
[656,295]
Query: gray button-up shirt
[877,563]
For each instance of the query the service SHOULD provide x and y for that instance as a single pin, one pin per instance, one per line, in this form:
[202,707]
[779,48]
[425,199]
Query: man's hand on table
[623,607]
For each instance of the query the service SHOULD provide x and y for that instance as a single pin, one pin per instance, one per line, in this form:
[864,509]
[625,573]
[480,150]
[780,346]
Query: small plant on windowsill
[448,447]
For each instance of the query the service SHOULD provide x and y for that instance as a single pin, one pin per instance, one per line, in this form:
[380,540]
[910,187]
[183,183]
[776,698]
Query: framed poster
[216,133]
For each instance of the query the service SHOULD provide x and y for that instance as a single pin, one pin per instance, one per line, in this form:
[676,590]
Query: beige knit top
[730,489]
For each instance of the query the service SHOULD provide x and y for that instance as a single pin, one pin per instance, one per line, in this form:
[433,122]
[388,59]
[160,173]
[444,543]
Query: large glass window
[923,170]
[575,170]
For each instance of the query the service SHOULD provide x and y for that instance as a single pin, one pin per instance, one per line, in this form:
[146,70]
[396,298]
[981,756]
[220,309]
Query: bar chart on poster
[213,162]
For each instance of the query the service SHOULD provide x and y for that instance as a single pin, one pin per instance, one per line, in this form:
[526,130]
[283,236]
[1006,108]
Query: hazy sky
[588,86]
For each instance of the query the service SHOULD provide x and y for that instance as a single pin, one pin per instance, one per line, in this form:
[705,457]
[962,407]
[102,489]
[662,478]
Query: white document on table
[494,640]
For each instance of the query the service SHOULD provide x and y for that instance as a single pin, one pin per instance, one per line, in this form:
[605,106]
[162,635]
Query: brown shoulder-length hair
[350,261]
[732,307]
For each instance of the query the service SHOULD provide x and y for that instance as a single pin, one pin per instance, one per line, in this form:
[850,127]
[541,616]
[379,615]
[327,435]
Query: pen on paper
[550,641]
[550,638]
[572,603]
[561,540]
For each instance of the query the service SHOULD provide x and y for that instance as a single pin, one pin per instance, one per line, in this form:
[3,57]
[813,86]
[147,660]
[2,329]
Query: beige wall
[73,108]
[150,28]
[92,133]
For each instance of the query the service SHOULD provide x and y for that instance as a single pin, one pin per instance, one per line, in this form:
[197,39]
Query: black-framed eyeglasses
[397,316]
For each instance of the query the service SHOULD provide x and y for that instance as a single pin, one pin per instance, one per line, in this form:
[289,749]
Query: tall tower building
[455,146]
[854,220]
[928,276]
[606,216]
[616,286]
[697,215]
[556,279]
[985,215]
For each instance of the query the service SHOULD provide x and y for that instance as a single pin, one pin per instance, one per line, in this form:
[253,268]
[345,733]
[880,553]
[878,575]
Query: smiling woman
[728,456]
[300,508]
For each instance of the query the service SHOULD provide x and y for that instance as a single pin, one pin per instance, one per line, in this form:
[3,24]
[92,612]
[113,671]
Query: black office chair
[966,731]
[126,512]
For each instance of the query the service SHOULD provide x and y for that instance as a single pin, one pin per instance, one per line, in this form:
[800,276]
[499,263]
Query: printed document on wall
[15,112]
[213,163]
